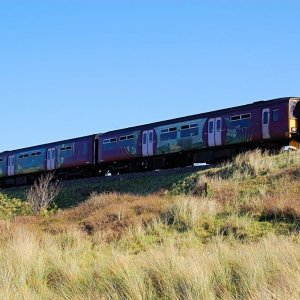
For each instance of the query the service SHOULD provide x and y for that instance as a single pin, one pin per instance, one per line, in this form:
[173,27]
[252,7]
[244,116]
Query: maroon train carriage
[69,158]
[206,137]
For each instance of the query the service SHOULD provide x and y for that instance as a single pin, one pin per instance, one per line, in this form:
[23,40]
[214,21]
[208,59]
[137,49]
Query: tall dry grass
[235,236]
[35,265]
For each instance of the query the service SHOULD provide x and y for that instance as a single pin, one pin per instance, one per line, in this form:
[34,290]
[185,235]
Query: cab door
[11,165]
[266,123]
[51,159]
[148,143]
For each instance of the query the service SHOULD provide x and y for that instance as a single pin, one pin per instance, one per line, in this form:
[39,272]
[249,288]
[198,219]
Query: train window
[21,156]
[145,139]
[68,148]
[184,127]
[130,137]
[218,125]
[26,155]
[246,116]
[293,105]
[266,118]
[63,149]
[211,127]
[168,134]
[36,153]
[108,141]
[1,160]
[194,125]
[275,115]
[122,138]
[235,118]
[151,137]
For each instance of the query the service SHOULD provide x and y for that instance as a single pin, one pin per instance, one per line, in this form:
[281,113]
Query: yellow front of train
[294,122]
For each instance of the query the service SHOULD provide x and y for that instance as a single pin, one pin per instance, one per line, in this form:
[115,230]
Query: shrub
[43,193]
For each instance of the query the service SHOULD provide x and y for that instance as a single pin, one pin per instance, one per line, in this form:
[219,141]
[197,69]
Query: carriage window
[122,138]
[185,127]
[246,116]
[36,153]
[130,137]
[194,125]
[113,140]
[145,138]
[63,149]
[275,115]
[211,127]
[69,148]
[151,137]
[266,118]
[235,118]
[168,134]
[1,160]
[218,125]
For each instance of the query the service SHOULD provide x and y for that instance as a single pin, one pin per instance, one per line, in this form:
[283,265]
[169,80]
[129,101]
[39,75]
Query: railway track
[126,176]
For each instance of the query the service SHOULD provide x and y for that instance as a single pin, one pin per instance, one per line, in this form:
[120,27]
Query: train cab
[294,122]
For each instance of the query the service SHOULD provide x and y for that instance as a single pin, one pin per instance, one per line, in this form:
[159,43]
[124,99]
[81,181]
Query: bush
[43,193]
[12,207]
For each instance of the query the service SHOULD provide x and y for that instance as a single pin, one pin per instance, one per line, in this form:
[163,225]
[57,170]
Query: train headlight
[294,129]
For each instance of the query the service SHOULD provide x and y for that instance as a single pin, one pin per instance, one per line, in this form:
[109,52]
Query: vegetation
[229,232]
[43,193]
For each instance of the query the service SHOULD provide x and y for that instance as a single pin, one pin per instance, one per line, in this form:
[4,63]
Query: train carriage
[203,137]
[67,158]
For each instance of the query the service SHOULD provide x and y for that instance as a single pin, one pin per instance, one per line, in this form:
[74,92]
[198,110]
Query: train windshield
[294,109]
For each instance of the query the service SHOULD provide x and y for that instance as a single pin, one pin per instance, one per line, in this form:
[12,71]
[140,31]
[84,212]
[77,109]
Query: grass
[70,266]
[230,232]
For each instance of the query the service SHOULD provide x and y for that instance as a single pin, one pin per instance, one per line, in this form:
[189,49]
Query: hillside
[227,232]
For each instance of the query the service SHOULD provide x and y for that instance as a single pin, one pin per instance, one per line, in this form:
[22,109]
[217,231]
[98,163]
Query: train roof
[201,115]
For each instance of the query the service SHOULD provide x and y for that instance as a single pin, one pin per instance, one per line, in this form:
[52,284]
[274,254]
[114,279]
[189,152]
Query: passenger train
[205,137]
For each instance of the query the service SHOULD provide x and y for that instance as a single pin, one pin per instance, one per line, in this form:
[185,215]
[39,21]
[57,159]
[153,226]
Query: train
[206,137]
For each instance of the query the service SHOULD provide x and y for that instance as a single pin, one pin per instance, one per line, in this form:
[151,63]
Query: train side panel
[30,161]
[119,146]
[76,153]
[182,136]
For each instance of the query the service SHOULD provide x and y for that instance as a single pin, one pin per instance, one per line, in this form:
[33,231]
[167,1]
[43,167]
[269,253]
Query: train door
[211,132]
[51,159]
[215,132]
[11,165]
[218,131]
[148,142]
[266,123]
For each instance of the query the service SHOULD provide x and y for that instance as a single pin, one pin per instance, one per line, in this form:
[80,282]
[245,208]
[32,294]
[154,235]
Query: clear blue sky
[77,67]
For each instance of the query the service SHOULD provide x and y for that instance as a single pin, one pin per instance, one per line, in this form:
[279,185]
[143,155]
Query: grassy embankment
[230,232]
